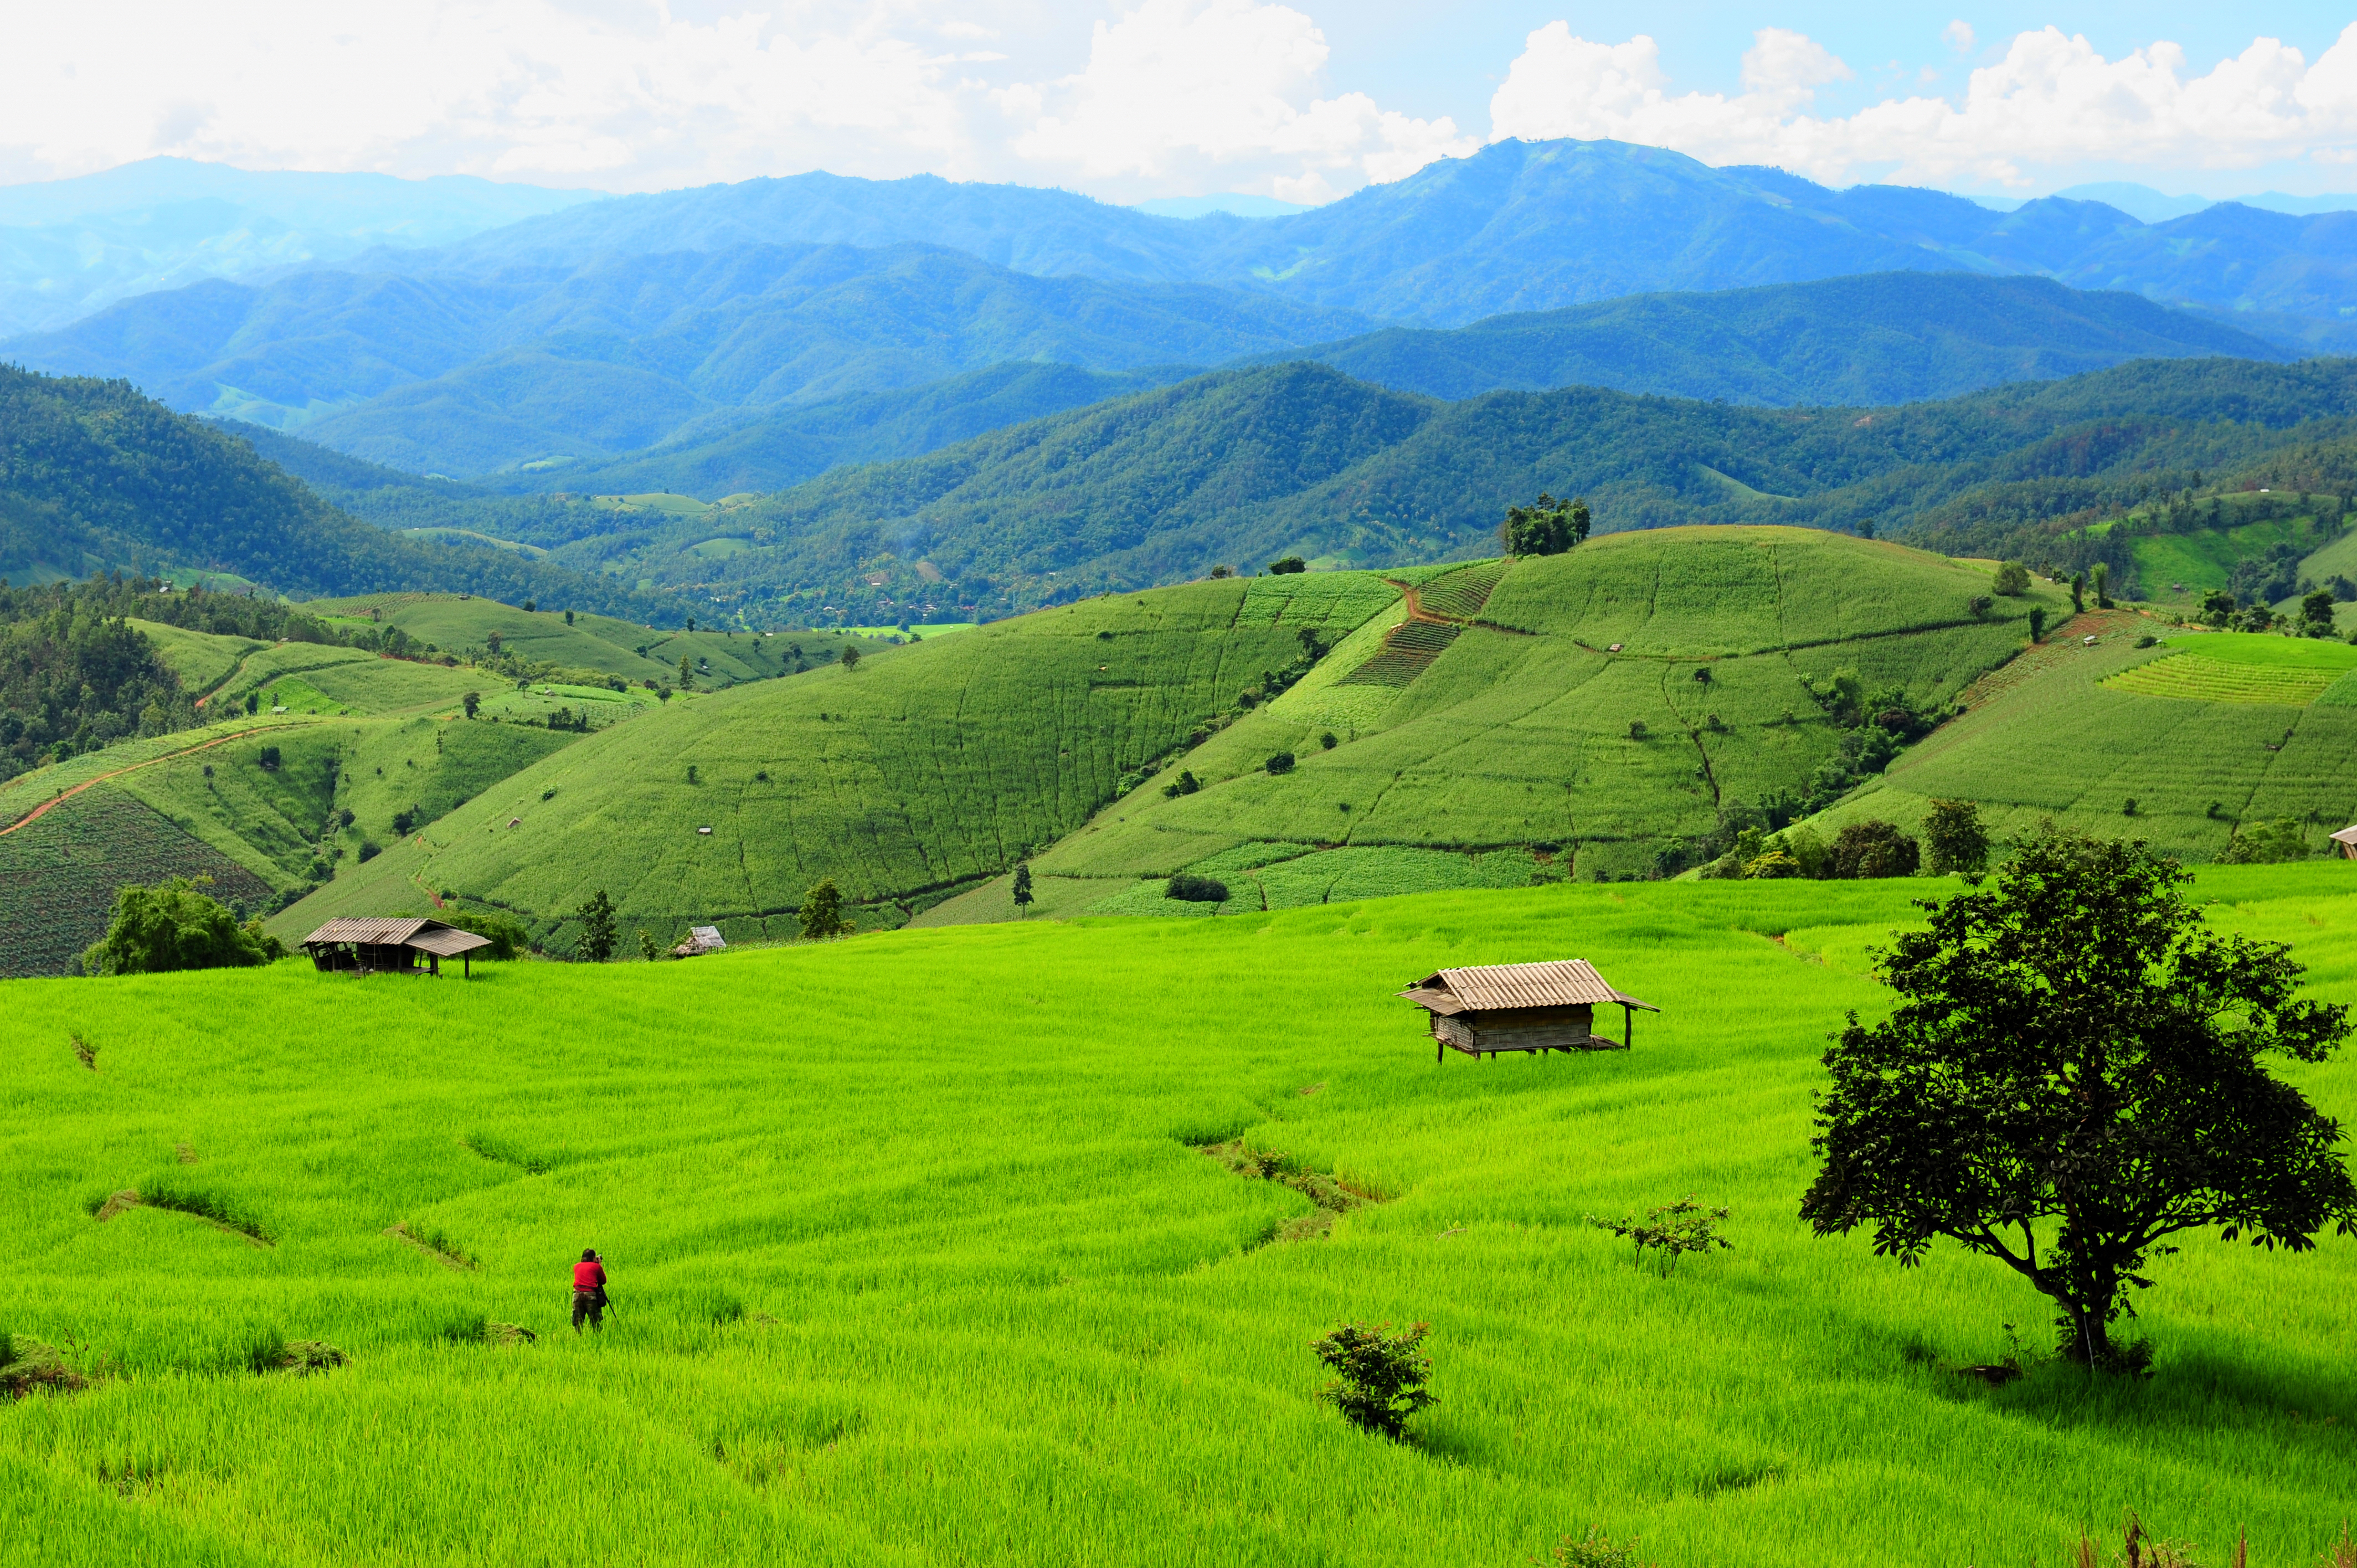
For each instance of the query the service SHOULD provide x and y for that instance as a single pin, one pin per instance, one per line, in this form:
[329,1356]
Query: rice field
[2241,667]
[915,1260]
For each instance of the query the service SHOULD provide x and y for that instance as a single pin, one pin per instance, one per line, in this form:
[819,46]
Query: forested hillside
[1887,338]
[596,354]
[94,477]
[1239,467]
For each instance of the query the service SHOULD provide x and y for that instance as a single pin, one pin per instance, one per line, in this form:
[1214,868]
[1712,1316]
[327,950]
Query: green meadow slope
[2201,732]
[1514,752]
[916,1260]
[1482,735]
[925,770]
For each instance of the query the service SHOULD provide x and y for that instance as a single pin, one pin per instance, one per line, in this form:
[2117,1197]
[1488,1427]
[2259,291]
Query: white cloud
[1218,94]
[1174,96]
[1958,36]
[2052,101]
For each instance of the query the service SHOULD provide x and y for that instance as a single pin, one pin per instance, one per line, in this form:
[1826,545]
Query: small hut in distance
[391,946]
[2344,843]
[1548,1006]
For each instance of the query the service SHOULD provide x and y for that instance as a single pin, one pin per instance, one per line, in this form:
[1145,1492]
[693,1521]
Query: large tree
[2075,1072]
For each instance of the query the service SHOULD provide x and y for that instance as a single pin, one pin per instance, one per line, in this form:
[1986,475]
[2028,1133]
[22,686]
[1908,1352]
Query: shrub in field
[1281,763]
[821,916]
[1805,847]
[850,658]
[268,759]
[2012,579]
[596,943]
[1185,784]
[1379,1374]
[1288,565]
[1873,849]
[2123,1040]
[29,1366]
[646,947]
[1671,1229]
[2036,622]
[173,926]
[1022,886]
[1958,843]
[1326,741]
[473,701]
[1192,889]
[2265,843]
[1594,1549]
[1637,730]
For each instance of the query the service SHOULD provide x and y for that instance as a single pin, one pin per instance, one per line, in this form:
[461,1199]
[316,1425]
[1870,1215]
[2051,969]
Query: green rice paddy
[915,1261]
[2241,667]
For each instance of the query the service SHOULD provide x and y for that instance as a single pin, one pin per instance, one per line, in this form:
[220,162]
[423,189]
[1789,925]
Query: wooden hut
[2346,839]
[391,946]
[700,940]
[1548,1006]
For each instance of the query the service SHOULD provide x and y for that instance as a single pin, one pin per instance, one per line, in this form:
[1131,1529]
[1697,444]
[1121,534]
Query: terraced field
[2232,667]
[2086,736]
[920,773]
[1526,729]
[918,1258]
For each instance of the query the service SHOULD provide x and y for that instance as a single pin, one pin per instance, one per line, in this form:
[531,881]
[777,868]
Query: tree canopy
[2074,1073]
[173,926]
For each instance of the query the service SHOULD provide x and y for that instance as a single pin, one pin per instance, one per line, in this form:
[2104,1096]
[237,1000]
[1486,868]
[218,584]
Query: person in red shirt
[589,1291]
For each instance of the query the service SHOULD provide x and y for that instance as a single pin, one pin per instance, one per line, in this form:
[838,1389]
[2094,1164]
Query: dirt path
[63,796]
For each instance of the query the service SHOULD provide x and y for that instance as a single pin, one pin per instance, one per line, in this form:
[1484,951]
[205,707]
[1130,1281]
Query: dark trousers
[591,1305]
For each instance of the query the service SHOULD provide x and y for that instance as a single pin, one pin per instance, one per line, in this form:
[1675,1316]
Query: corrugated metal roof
[2346,836]
[382,930]
[707,937]
[1498,987]
[447,940]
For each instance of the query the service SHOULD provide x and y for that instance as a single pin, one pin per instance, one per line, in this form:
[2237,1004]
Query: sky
[1138,99]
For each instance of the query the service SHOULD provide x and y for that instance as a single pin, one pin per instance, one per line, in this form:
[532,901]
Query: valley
[925,773]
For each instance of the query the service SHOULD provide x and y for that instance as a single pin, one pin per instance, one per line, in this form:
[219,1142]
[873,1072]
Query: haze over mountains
[592,334]
[72,246]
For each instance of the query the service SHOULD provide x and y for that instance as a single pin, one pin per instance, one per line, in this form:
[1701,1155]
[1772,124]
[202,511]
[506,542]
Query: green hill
[1242,466]
[916,1258]
[150,747]
[1482,735]
[2203,733]
[94,477]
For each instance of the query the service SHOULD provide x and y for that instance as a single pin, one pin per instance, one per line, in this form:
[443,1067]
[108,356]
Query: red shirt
[589,1275]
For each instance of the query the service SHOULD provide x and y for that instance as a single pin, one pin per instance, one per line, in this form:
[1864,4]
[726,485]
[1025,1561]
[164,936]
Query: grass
[589,642]
[919,774]
[1516,732]
[925,1266]
[2242,667]
[2076,735]
[201,660]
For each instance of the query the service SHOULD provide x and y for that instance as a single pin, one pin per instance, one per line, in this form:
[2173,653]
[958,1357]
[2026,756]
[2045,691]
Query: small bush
[1637,730]
[1326,741]
[1290,563]
[1673,1229]
[269,760]
[172,925]
[369,851]
[2012,579]
[1594,1549]
[1190,889]
[1281,763]
[1379,1375]
[2265,843]
[1186,784]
